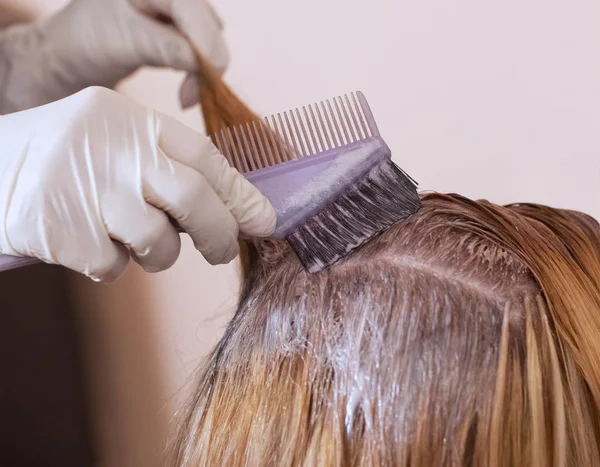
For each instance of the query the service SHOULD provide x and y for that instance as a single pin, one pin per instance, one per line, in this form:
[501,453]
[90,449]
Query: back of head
[467,335]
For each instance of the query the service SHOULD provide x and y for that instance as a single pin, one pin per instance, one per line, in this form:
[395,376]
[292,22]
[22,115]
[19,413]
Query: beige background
[497,100]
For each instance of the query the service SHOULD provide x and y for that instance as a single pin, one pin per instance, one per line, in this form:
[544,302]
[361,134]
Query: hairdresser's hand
[86,178]
[100,42]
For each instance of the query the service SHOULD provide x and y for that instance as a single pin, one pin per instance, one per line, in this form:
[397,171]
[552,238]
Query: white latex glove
[85,177]
[100,42]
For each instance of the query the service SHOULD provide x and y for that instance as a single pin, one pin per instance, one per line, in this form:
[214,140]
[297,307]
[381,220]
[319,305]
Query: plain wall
[497,100]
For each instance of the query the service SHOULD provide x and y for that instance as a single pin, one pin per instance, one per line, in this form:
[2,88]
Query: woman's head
[468,334]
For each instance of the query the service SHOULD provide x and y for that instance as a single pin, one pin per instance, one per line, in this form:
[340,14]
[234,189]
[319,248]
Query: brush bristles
[385,196]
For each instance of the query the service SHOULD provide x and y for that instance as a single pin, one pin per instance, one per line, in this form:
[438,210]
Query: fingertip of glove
[262,220]
[219,56]
[270,220]
[223,255]
[189,92]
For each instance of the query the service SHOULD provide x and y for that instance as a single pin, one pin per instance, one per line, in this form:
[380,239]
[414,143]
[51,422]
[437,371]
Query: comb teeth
[297,133]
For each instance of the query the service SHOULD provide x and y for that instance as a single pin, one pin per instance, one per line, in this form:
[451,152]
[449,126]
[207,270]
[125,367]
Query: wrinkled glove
[89,180]
[100,42]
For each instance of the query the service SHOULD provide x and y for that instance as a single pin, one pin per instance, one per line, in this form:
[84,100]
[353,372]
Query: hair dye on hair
[465,335]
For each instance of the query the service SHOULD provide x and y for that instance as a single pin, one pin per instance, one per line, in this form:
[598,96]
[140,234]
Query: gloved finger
[198,21]
[251,209]
[103,264]
[146,231]
[165,8]
[188,197]
[219,55]
[216,16]
[166,48]
[189,92]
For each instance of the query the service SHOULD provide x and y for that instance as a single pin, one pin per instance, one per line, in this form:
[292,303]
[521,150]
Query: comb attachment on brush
[327,172]
[295,134]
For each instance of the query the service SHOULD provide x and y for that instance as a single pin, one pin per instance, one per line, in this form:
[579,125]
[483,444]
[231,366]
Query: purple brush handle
[12,262]
[301,188]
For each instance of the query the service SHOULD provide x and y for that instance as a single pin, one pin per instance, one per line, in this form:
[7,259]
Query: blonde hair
[467,335]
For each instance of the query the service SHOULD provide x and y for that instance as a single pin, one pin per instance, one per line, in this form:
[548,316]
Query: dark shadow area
[44,418]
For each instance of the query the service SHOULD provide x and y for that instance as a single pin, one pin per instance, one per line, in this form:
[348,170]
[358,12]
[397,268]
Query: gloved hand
[85,177]
[100,42]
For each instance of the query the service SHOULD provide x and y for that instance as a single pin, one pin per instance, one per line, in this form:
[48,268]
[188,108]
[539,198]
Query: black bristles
[385,196]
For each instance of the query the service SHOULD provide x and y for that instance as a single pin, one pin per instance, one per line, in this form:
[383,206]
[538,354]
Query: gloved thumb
[189,92]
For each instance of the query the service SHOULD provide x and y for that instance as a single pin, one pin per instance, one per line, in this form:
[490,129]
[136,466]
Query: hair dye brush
[327,172]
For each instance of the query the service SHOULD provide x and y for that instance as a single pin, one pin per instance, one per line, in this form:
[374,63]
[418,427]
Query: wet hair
[467,335]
